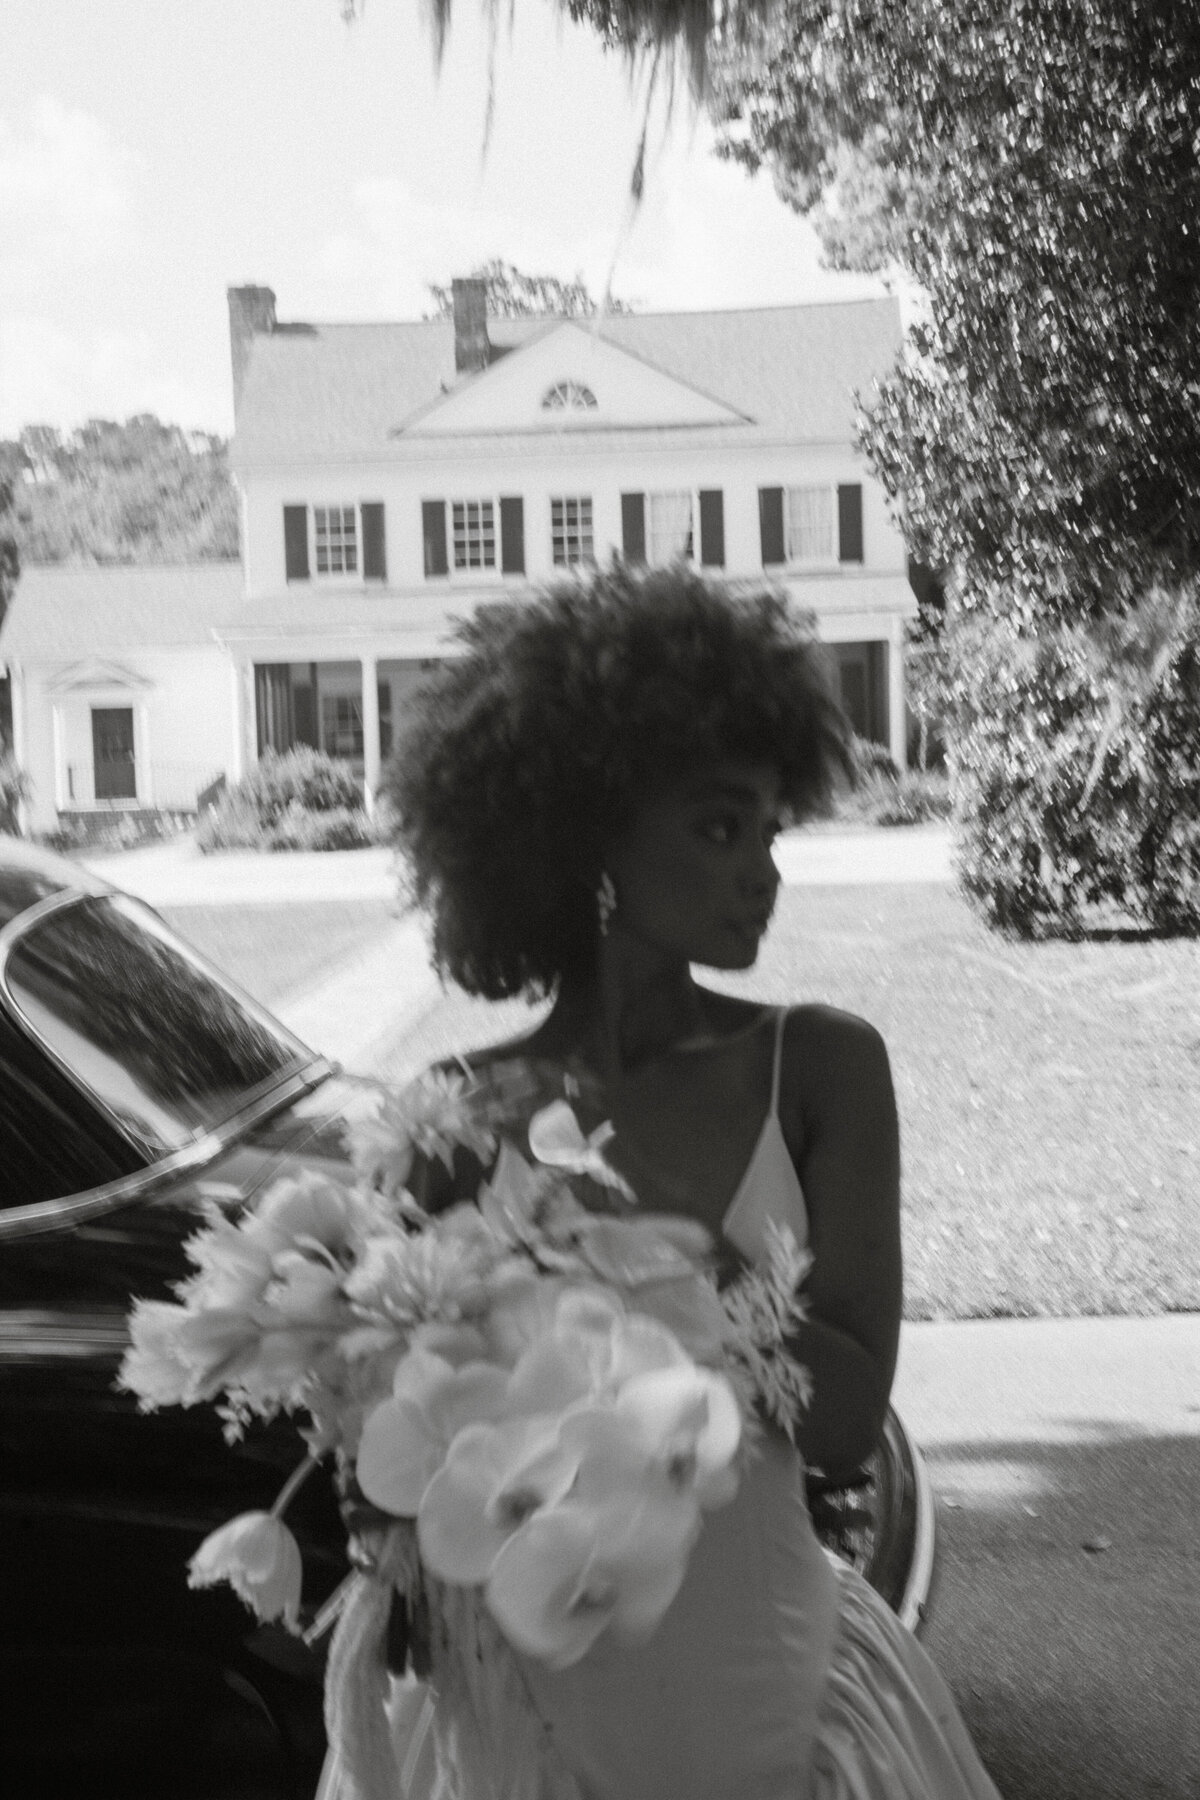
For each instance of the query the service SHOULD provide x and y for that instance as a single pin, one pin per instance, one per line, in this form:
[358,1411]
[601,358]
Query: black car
[136,1084]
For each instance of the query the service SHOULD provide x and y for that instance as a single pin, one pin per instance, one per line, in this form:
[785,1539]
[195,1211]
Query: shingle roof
[62,611]
[328,392]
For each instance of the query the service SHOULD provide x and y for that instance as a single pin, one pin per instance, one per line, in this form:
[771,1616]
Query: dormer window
[568,396]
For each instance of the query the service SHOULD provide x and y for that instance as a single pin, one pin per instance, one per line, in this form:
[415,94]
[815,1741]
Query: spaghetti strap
[781,1013]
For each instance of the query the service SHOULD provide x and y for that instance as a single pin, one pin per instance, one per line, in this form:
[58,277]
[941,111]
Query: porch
[347,709]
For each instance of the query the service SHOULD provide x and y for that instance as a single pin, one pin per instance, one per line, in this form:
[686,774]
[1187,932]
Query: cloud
[52,376]
[709,235]
[705,235]
[398,243]
[66,190]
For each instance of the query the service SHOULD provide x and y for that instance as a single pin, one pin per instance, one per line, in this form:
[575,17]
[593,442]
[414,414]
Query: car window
[140,1021]
[52,1142]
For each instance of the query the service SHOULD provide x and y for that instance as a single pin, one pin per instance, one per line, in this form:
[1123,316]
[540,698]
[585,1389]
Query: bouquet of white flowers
[538,1399]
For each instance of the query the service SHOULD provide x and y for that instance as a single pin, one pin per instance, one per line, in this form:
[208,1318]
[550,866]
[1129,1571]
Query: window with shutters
[473,529]
[808,515]
[818,524]
[668,526]
[342,542]
[472,537]
[571,542]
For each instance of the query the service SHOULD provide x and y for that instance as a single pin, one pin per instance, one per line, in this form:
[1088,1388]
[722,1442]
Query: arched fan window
[568,396]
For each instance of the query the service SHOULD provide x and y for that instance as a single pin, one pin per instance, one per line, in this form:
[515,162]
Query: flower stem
[292,1485]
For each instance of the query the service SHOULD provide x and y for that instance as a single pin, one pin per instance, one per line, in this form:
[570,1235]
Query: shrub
[302,800]
[884,794]
[1076,772]
[917,797]
[342,828]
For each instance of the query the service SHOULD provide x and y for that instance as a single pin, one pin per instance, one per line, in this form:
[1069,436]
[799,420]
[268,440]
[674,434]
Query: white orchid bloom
[260,1559]
[494,1479]
[557,1140]
[405,1439]
[612,1554]
[687,1420]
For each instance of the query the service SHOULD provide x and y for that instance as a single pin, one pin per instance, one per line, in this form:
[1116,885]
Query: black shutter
[850,532]
[512,535]
[712,528]
[633,527]
[433,530]
[770,525]
[295,542]
[374,541]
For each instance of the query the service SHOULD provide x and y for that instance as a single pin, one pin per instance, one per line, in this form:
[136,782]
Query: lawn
[1049,1096]
[281,949]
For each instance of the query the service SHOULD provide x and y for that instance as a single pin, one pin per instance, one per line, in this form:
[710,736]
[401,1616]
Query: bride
[587,799]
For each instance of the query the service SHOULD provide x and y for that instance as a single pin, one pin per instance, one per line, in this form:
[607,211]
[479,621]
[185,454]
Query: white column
[897,723]
[241,724]
[62,799]
[20,748]
[370,715]
[143,762]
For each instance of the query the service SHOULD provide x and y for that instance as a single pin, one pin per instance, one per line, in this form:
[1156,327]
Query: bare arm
[838,1111]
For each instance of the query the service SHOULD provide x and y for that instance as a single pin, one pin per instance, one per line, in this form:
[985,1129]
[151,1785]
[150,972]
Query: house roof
[61,611]
[318,393]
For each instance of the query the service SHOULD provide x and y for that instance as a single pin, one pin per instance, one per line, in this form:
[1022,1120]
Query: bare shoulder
[832,1058]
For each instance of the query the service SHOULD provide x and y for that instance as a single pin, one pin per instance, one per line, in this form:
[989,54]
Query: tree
[141,491]
[1035,166]
[511,294]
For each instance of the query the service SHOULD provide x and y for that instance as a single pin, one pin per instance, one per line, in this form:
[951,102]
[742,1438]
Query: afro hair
[526,752]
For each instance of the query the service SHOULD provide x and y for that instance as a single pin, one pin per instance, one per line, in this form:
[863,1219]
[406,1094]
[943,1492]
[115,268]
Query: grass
[1049,1096]
[275,950]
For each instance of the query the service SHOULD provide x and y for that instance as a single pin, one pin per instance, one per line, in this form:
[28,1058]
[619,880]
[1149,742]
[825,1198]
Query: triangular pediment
[97,672]
[568,378]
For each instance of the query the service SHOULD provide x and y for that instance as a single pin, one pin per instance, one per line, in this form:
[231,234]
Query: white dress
[774,1674]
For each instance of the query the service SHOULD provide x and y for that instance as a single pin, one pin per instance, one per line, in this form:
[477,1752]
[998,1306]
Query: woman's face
[694,874]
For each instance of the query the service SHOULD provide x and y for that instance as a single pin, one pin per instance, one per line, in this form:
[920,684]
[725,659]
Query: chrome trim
[63,1214]
[911,1610]
[17,929]
[33,1334]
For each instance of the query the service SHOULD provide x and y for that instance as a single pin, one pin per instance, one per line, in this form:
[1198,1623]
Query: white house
[122,696]
[395,476]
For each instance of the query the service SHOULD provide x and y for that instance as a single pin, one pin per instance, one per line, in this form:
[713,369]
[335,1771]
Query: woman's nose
[760,875]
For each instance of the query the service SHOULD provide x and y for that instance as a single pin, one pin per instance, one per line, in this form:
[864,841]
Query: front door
[114,771]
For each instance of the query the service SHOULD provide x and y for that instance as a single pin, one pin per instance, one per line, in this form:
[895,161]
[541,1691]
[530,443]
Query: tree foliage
[142,491]
[511,294]
[1035,166]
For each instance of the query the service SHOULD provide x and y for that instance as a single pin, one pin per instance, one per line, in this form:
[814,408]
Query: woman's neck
[639,1004]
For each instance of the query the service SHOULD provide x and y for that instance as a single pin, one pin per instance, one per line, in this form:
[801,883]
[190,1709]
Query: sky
[155,152]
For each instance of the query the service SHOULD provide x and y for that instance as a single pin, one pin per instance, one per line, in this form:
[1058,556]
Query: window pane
[168,1049]
[571,530]
[808,521]
[669,527]
[336,532]
[473,525]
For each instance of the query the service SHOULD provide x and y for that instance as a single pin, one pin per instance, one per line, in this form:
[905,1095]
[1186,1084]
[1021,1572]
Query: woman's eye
[721,830]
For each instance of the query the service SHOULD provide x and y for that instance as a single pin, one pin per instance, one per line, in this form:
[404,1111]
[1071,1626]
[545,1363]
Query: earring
[606,902]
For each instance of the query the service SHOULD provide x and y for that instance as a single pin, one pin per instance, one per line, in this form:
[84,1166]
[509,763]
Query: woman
[588,799]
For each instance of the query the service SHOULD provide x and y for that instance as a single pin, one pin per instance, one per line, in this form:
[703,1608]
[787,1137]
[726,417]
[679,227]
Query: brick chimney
[251,313]
[472,350]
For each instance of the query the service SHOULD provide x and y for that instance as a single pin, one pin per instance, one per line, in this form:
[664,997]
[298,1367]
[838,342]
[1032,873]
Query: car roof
[29,874]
